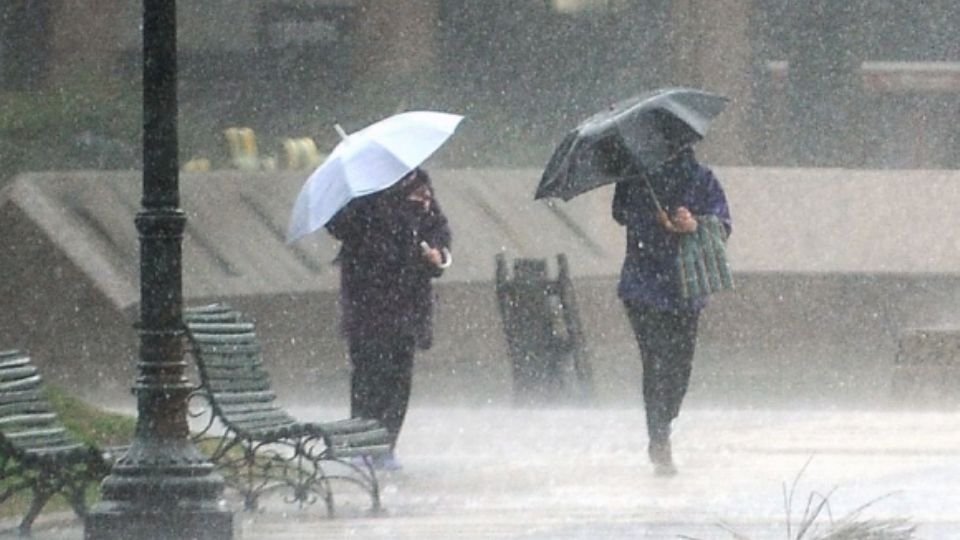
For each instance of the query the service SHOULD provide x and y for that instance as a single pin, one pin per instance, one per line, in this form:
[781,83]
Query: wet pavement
[583,473]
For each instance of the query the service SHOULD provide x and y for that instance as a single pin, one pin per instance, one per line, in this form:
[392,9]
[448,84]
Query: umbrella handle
[339,129]
[445,252]
[646,182]
[653,194]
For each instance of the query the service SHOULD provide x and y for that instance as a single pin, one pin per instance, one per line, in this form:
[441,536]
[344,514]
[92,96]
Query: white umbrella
[367,161]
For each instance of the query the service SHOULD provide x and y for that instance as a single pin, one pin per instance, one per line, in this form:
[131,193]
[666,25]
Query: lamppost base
[110,520]
[161,489]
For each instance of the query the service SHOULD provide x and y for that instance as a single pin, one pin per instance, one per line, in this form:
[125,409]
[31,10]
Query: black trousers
[381,380]
[667,340]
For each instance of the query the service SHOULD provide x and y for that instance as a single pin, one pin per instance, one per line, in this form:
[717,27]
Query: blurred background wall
[818,83]
[823,87]
[832,267]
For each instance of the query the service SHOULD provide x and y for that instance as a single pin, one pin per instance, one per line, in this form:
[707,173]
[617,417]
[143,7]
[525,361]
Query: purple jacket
[649,274]
[385,288]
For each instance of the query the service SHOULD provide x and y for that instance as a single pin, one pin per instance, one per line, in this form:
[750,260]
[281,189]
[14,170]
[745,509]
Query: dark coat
[385,288]
[649,275]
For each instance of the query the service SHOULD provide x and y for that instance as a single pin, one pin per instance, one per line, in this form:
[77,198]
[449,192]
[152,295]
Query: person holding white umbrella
[372,195]
[395,242]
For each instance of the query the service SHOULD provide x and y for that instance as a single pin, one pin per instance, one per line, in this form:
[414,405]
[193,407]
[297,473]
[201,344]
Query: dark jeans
[667,340]
[381,380]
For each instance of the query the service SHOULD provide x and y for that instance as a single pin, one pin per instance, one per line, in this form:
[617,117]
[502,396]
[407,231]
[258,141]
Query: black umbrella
[639,135]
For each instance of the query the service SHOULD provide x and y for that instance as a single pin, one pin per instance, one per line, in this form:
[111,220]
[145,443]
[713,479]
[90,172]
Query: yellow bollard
[311,156]
[249,142]
[233,143]
[243,148]
[292,154]
[197,165]
[301,153]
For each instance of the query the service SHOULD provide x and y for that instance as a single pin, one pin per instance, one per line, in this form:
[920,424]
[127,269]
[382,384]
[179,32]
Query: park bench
[256,444]
[544,335]
[37,453]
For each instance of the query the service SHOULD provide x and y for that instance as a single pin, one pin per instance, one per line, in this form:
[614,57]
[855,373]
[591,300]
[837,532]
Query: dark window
[24,43]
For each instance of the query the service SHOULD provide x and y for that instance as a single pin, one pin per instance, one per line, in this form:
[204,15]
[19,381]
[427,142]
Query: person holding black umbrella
[668,204]
[677,222]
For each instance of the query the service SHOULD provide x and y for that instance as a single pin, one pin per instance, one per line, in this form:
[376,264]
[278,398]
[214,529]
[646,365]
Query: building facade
[854,84]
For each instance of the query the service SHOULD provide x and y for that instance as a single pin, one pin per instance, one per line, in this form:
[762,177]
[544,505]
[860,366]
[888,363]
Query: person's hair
[412,181]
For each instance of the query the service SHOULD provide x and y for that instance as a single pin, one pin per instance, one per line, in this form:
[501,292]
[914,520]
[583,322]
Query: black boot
[662,457]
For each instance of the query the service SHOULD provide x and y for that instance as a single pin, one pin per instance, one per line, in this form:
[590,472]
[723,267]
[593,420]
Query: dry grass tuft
[817,522]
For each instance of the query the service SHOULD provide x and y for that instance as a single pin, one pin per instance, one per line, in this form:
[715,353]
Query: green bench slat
[243,378]
[253,406]
[212,309]
[260,422]
[231,342]
[235,363]
[21,396]
[225,358]
[211,318]
[17,373]
[221,328]
[27,420]
[235,372]
[368,438]
[271,434]
[265,424]
[268,433]
[44,444]
[19,435]
[14,361]
[231,398]
[204,341]
[221,349]
[226,385]
[222,331]
[241,341]
[351,425]
[366,451]
[22,384]
[40,438]
[272,415]
[279,416]
[69,451]
[235,366]
[24,407]
[229,354]
[240,360]
[204,338]
[215,308]
[228,362]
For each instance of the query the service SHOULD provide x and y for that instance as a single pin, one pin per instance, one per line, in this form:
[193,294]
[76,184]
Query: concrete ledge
[831,265]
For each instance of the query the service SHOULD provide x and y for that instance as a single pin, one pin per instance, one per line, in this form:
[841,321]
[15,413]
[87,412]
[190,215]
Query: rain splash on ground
[581,473]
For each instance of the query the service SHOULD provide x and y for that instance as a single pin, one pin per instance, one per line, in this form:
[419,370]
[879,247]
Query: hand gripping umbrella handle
[447,256]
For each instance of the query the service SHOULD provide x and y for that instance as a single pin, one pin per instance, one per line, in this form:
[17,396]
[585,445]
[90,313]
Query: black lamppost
[163,488]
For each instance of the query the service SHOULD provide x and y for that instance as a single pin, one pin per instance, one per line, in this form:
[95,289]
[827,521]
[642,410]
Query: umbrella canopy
[368,161]
[640,133]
